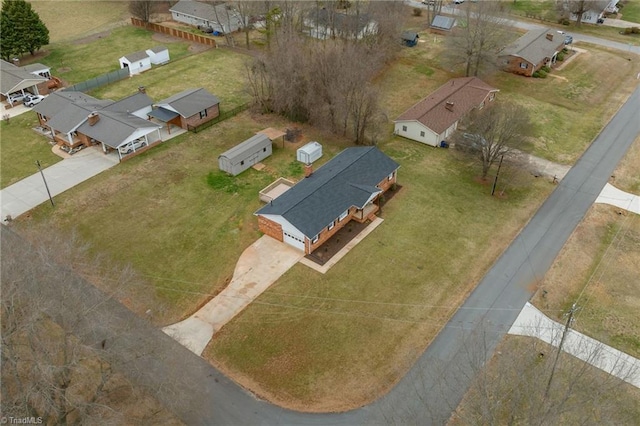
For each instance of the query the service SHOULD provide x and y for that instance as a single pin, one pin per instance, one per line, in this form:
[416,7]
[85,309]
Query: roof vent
[449,106]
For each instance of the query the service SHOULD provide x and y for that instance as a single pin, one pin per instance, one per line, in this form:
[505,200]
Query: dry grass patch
[599,268]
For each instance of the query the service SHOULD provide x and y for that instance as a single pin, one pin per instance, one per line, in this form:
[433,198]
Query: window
[524,65]
[314,240]
[242,163]
[331,225]
[203,114]
[404,128]
[264,149]
[422,134]
[343,215]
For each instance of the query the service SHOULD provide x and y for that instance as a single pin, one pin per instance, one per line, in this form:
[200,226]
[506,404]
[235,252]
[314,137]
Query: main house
[74,118]
[436,117]
[187,109]
[345,188]
[532,51]
[222,18]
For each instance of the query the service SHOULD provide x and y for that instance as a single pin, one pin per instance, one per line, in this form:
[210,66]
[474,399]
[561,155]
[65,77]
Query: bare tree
[142,9]
[495,131]
[579,7]
[478,36]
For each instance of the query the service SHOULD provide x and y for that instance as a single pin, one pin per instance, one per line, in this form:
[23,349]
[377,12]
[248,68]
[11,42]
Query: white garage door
[294,240]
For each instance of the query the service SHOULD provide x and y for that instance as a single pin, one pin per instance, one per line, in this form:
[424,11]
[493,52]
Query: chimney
[142,89]
[308,170]
[549,36]
[93,118]
[449,106]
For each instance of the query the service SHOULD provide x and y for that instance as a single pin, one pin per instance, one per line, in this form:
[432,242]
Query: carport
[166,116]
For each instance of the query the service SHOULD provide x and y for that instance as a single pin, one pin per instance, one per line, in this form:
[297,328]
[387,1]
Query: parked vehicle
[429,2]
[568,39]
[32,100]
[17,97]
[458,1]
[131,146]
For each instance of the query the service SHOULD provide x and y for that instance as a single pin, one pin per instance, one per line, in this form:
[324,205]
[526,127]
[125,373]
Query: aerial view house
[345,188]
[244,155]
[187,109]
[221,18]
[596,11]
[75,119]
[16,80]
[324,24]
[436,117]
[442,24]
[532,51]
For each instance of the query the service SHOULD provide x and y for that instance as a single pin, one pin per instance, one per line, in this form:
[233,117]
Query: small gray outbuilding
[242,156]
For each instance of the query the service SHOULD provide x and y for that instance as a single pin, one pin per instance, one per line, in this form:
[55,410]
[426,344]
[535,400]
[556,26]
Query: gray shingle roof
[158,49]
[136,56]
[69,118]
[113,128]
[347,180]
[534,46]
[240,151]
[131,103]
[56,102]
[13,78]
[190,101]
[220,14]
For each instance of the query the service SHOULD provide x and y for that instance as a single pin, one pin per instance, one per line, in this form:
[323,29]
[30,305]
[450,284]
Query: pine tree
[22,29]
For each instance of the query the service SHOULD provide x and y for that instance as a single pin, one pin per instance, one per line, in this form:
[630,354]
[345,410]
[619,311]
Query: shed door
[294,240]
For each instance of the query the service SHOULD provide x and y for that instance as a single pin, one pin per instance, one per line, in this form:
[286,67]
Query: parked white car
[17,97]
[32,100]
[131,146]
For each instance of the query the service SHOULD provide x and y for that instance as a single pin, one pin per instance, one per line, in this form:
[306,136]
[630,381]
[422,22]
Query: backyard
[317,342]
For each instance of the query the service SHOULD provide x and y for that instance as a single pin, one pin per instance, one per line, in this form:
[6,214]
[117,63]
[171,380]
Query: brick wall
[325,234]
[195,119]
[512,64]
[270,228]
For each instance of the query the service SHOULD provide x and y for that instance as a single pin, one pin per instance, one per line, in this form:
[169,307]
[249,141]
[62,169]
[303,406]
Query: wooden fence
[185,35]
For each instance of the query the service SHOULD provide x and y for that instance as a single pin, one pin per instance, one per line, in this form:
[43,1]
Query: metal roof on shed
[239,151]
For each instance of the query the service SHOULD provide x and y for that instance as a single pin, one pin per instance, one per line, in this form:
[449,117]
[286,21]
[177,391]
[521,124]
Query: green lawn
[21,147]
[630,10]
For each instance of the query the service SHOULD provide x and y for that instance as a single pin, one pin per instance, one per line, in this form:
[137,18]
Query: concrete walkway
[259,266]
[533,323]
[30,192]
[612,195]
[539,166]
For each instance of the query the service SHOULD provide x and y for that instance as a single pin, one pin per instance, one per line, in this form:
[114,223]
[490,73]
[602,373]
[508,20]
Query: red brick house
[345,188]
[187,109]
[532,51]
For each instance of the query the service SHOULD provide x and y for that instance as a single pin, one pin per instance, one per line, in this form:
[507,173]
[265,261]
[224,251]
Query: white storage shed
[158,55]
[136,62]
[309,153]
[242,156]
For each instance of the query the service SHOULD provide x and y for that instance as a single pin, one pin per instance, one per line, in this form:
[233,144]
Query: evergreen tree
[22,29]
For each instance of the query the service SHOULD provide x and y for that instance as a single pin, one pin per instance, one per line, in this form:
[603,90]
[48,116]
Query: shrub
[626,31]
[417,11]
[541,73]
[635,30]
[560,56]
[546,69]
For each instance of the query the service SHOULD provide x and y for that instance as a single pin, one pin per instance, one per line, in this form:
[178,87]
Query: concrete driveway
[259,266]
[30,192]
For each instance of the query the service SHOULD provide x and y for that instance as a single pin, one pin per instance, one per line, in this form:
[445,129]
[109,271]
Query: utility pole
[495,181]
[45,183]
[564,335]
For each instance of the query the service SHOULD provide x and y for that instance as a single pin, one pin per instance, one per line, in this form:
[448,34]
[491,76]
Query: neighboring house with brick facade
[187,109]
[436,117]
[345,188]
[532,51]
[75,119]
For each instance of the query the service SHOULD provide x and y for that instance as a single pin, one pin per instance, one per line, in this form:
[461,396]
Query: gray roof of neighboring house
[58,101]
[33,68]
[190,101]
[443,22]
[349,179]
[239,152]
[219,14]
[13,78]
[534,46]
[136,56]
[131,103]
[113,128]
